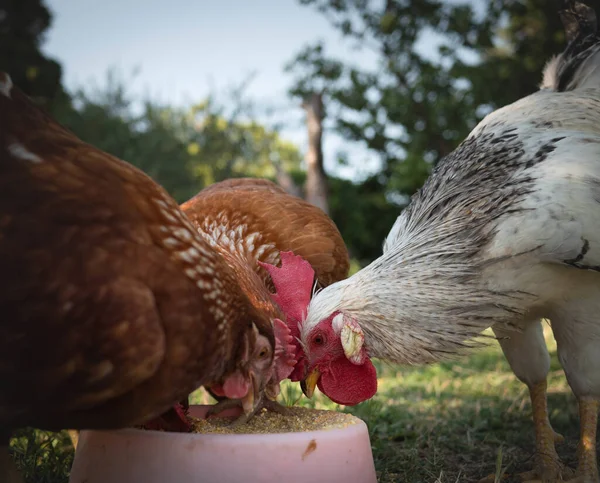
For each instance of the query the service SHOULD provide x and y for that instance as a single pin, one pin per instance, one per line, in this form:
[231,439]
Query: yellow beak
[310,382]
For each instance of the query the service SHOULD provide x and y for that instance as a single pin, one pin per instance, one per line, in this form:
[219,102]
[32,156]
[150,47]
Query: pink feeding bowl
[340,455]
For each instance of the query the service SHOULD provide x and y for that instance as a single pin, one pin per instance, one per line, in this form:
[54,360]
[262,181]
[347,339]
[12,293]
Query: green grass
[455,421]
[42,456]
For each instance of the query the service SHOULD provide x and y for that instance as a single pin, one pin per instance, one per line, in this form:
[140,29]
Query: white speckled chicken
[506,231]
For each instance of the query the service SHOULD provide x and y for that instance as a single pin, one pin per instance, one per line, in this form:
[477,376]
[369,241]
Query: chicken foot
[265,403]
[548,466]
[587,466]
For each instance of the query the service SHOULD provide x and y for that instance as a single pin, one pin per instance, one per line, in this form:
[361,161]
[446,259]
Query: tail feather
[578,67]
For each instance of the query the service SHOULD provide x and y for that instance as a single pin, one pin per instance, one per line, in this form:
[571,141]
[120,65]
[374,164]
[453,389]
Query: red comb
[285,350]
[293,290]
[293,287]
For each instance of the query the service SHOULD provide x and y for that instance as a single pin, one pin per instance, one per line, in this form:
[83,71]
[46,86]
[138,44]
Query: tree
[415,107]
[316,180]
[182,149]
[226,146]
[22,27]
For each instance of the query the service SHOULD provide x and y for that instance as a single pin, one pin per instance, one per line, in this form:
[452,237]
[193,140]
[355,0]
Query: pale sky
[187,49]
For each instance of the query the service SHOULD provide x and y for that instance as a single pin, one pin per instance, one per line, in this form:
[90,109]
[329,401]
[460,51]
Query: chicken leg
[577,334]
[587,467]
[528,358]
[548,466]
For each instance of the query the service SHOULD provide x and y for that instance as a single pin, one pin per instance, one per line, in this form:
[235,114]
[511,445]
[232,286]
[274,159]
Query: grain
[267,422]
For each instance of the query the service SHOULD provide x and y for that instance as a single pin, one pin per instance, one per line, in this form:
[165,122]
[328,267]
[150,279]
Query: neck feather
[416,311]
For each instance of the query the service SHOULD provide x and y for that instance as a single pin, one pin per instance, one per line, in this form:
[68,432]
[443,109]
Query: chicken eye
[318,340]
[263,353]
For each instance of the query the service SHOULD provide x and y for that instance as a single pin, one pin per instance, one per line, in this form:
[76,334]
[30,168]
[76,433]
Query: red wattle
[285,350]
[299,371]
[236,386]
[348,384]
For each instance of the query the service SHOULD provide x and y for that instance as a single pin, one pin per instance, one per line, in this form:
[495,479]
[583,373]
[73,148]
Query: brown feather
[113,308]
[281,222]
[251,220]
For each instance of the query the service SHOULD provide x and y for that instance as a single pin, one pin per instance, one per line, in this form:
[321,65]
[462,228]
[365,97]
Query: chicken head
[338,362]
[254,369]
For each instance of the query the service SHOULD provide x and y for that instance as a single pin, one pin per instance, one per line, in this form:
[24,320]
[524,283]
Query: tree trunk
[316,180]
[286,182]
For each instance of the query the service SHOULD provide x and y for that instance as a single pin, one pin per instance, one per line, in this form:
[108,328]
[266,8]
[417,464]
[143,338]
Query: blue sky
[186,49]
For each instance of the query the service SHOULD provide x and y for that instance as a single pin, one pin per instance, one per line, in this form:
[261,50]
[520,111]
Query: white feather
[497,236]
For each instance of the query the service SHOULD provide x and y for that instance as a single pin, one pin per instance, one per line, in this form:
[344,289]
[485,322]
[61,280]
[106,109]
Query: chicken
[113,307]
[256,225]
[505,232]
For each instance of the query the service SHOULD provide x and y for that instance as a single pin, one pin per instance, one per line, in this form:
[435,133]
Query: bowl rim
[334,433]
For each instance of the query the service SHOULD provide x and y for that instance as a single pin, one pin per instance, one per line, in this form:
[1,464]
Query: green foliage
[42,456]
[525,34]
[225,147]
[416,106]
[182,149]
[151,140]
[362,213]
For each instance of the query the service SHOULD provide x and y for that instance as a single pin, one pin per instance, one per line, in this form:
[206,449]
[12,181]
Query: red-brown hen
[113,306]
[257,226]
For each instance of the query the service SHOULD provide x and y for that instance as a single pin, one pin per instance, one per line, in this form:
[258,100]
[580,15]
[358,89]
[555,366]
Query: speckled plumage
[492,237]
[253,220]
[112,306]
[250,221]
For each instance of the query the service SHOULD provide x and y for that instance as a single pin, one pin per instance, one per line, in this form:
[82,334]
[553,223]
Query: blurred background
[195,92]
[347,103]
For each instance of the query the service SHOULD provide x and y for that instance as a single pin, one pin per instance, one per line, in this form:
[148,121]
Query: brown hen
[113,307]
[251,222]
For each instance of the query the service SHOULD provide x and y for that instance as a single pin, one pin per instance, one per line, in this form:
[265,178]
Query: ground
[451,422]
